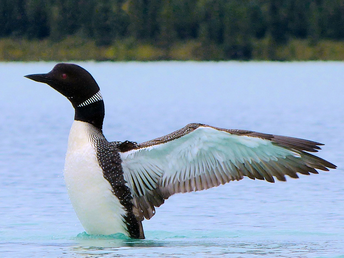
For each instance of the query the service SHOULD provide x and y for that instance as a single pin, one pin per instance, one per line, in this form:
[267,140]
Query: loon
[114,186]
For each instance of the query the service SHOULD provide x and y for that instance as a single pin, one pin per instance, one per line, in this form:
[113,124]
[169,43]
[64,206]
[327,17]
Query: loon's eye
[64,76]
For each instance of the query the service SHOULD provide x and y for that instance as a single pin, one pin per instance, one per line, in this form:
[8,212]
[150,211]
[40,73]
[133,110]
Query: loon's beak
[39,77]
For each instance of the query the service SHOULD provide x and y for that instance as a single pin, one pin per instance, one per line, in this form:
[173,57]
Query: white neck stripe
[96,97]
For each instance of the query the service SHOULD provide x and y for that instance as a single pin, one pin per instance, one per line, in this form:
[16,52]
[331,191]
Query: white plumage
[97,208]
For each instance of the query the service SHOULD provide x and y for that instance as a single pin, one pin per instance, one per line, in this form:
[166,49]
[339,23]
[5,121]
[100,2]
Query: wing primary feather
[205,181]
[188,187]
[273,171]
[172,178]
[262,171]
[218,174]
[155,172]
[182,187]
[183,180]
[134,184]
[298,164]
[192,170]
[284,170]
[193,184]
[235,175]
[312,170]
[317,162]
[301,168]
[212,175]
[247,170]
[198,183]
[176,187]
[255,173]
[289,168]
[296,143]
[137,184]
[225,175]
[184,175]
[147,180]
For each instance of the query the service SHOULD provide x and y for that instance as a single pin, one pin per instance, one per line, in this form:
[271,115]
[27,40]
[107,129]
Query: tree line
[233,25]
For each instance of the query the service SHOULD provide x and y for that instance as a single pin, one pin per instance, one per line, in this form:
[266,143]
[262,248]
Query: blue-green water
[300,218]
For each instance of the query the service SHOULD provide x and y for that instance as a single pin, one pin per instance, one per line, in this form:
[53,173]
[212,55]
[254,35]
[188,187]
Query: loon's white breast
[98,209]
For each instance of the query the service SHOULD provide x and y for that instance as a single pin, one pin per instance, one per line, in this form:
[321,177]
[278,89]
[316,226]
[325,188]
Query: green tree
[152,26]
[277,24]
[137,13]
[65,18]
[211,20]
[5,28]
[258,20]
[86,17]
[185,18]
[166,21]
[38,23]
[103,23]
[313,28]
[122,19]
[109,21]
[333,19]
[237,34]
[297,13]
[13,18]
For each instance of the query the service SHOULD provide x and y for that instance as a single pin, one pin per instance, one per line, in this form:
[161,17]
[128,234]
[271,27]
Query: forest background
[33,30]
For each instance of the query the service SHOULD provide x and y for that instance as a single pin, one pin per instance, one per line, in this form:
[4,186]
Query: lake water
[299,218]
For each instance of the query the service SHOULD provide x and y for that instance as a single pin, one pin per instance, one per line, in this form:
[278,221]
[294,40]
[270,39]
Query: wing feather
[199,157]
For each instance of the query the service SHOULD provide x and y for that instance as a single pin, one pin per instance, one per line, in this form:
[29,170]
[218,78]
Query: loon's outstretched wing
[199,157]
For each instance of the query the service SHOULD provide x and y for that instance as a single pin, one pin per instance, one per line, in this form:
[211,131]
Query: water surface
[300,218]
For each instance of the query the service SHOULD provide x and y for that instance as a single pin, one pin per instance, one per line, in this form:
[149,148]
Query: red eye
[64,76]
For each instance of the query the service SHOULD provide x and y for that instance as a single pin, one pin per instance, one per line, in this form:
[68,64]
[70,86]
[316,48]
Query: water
[300,218]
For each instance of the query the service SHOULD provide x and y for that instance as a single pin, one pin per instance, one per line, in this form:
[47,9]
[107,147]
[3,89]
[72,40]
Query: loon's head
[71,80]
[77,85]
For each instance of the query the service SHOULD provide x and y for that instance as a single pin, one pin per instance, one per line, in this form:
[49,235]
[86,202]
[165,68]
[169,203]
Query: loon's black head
[71,80]
[77,85]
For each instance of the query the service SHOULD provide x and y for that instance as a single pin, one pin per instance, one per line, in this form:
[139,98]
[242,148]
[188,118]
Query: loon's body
[113,186]
[92,197]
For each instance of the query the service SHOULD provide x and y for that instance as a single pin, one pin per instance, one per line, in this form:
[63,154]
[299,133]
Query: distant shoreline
[79,49]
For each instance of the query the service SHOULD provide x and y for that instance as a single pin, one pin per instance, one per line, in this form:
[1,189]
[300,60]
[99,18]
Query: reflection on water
[115,240]
[229,243]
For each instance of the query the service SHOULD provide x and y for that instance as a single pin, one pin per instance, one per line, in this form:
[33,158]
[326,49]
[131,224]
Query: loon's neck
[91,113]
